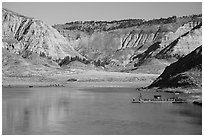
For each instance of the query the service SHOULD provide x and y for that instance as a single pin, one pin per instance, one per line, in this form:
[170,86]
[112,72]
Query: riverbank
[76,85]
[82,79]
[191,95]
[91,79]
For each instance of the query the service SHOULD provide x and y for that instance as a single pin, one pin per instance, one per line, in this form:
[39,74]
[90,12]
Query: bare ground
[89,78]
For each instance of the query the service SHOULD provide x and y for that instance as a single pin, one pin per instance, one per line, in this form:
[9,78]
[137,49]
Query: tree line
[91,26]
[67,60]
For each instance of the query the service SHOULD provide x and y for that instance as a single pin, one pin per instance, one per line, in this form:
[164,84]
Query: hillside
[91,26]
[128,44]
[186,72]
[24,36]
[35,52]
[132,45]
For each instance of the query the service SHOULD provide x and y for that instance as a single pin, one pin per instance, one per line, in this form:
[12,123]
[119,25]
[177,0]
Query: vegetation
[91,26]
[68,60]
[100,63]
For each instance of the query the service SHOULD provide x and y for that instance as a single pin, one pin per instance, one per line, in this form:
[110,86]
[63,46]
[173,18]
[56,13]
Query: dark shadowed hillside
[186,72]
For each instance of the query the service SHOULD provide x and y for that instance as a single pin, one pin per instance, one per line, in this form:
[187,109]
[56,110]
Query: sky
[62,12]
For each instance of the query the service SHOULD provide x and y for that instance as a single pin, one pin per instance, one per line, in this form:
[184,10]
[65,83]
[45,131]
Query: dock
[158,99]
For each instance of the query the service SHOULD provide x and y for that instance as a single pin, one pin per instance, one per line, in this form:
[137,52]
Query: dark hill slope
[186,72]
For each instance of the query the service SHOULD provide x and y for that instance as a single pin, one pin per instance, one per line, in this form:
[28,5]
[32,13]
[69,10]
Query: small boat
[158,99]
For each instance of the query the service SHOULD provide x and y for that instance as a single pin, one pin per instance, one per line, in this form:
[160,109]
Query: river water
[99,111]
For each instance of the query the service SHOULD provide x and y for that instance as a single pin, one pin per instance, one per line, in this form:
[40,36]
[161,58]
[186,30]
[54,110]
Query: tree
[65,61]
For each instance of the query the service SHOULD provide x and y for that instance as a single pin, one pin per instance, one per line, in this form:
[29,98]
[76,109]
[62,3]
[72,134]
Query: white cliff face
[31,35]
[136,39]
[149,40]
[186,39]
[117,45]
[171,36]
[188,43]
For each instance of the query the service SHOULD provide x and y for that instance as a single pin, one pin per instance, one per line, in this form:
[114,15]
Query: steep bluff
[187,71]
[136,44]
[24,35]
[124,45]
[174,44]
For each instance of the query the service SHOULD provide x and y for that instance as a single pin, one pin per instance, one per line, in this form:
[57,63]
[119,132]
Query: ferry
[158,99]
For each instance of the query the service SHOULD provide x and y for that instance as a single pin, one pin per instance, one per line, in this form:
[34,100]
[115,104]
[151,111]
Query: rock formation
[24,35]
[120,45]
[127,45]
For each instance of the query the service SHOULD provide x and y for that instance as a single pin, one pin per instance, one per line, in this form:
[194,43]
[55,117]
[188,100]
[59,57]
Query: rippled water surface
[93,111]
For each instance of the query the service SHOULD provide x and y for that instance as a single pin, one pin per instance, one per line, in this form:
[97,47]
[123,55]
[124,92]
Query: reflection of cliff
[38,110]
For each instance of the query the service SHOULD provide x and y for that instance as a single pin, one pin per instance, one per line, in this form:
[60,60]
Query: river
[98,111]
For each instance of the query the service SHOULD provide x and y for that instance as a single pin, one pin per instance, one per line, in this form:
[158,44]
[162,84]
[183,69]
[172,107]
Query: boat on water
[158,99]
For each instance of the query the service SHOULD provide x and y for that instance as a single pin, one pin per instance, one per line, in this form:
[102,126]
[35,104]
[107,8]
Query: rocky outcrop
[122,44]
[184,44]
[24,36]
[159,39]
[186,72]
[174,44]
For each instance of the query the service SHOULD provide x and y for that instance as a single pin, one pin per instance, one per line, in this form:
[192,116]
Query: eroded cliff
[24,35]
[130,47]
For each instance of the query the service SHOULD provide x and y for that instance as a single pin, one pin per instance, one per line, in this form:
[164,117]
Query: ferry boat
[158,99]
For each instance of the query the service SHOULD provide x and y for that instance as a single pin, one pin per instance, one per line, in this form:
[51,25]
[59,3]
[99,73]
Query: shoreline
[76,85]
[192,98]
[94,79]
[89,78]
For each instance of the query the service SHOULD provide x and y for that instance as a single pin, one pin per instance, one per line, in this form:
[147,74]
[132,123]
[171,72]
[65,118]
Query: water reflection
[36,111]
[96,111]
[193,112]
